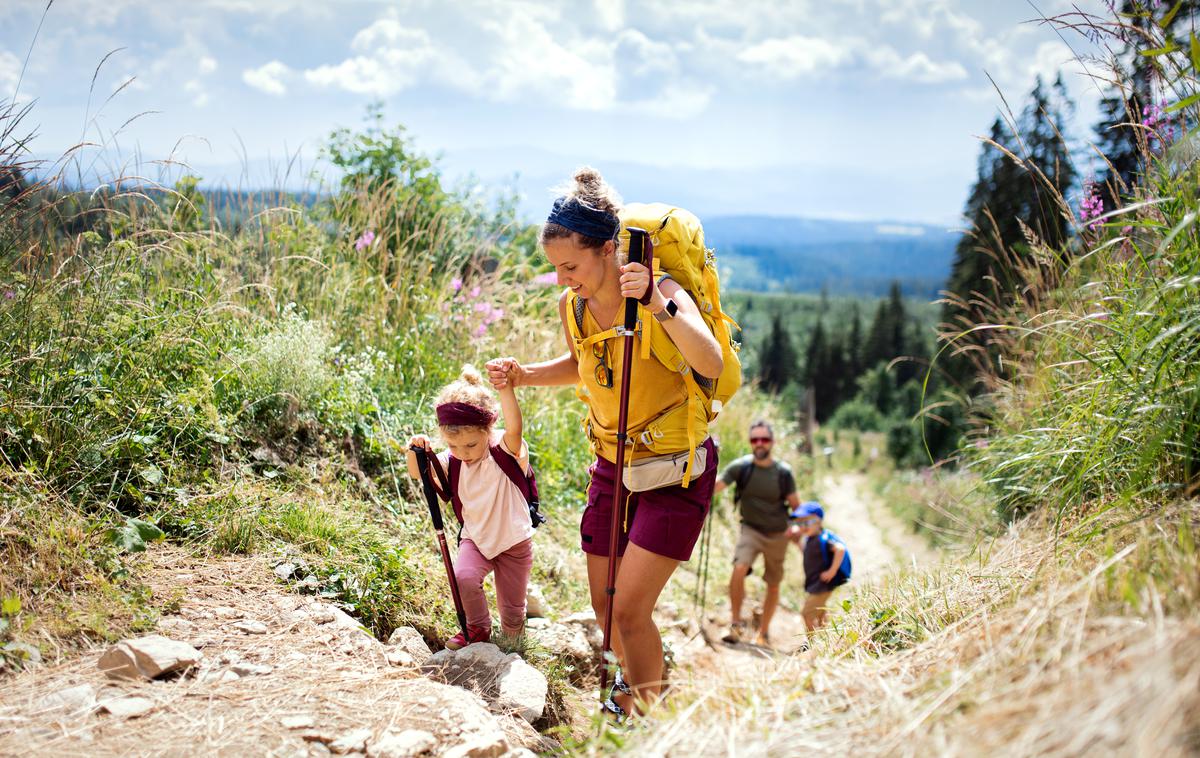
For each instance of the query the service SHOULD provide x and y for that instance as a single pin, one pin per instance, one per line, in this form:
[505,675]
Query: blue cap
[811,508]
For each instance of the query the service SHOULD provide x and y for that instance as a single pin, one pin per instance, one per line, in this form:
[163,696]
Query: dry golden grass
[1031,647]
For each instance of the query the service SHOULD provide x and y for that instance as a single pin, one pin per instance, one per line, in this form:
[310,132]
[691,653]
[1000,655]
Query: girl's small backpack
[511,468]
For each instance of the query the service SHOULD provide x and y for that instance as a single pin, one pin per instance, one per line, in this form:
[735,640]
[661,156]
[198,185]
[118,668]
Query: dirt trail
[877,539]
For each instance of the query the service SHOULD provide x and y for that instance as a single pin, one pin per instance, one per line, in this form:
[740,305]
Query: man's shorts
[773,547]
[665,521]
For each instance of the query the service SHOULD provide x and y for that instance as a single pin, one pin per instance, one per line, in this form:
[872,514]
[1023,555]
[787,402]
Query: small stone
[225,612]
[69,701]
[410,641]
[303,721]
[537,623]
[285,570]
[24,654]
[251,669]
[351,742]
[147,657]
[405,744]
[321,737]
[520,752]
[400,658]
[228,676]
[127,707]
[250,626]
[535,602]
[486,746]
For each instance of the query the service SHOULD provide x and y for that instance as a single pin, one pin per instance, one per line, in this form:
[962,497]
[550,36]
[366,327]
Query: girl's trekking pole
[637,248]
[435,513]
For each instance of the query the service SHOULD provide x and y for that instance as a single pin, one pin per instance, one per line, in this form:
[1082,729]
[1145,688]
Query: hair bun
[471,375]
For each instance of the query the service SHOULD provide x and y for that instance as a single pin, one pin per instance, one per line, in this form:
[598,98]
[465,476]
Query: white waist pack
[662,470]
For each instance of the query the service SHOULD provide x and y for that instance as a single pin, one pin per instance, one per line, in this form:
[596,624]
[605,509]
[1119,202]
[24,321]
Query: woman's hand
[636,280]
[504,373]
[828,575]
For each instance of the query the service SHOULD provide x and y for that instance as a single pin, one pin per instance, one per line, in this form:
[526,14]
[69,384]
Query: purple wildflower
[475,292]
[9,294]
[549,279]
[364,241]
[456,283]
[481,330]
[1091,208]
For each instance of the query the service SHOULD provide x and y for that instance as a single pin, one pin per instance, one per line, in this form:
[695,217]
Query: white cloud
[796,56]
[579,73]
[208,64]
[611,14]
[268,78]
[10,73]
[915,68]
[391,58]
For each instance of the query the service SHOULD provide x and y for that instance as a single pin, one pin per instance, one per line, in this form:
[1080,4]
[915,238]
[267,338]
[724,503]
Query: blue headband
[572,214]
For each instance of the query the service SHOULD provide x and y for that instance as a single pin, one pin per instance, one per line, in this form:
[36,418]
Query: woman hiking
[660,526]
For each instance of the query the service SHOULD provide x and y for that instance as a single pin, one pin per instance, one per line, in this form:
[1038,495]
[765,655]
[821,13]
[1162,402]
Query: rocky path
[269,673]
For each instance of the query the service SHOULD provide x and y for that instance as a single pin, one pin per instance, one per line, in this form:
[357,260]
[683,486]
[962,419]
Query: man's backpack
[527,484]
[747,471]
[843,574]
[679,253]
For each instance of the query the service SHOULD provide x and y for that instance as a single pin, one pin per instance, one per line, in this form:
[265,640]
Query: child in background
[496,528]
[826,561]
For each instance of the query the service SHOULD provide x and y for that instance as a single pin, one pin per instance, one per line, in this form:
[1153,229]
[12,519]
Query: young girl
[496,531]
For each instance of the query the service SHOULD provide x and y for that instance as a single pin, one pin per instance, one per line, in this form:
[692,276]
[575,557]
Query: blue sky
[855,109]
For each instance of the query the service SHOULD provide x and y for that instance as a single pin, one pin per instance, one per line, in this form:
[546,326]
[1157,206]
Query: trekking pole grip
[637,254]
[431,498]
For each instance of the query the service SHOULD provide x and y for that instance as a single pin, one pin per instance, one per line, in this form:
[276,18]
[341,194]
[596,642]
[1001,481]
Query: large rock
[148,657]
[523,689]
[563,639]
[410,641]
[505,680]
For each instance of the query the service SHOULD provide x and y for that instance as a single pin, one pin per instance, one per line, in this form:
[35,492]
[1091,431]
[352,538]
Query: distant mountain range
[789,254]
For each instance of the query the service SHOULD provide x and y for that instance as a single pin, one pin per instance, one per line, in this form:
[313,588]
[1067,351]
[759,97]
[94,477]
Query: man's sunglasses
[760,440]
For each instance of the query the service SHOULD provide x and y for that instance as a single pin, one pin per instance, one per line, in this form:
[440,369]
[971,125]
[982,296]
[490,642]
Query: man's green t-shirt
[764,498]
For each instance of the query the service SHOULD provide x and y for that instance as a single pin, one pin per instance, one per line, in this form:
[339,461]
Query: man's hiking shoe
[458,641]
[736,632]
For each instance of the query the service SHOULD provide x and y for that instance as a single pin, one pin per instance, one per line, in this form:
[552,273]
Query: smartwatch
[668,311]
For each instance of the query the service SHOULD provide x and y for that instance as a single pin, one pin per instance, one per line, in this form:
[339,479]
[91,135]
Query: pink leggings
[512,578]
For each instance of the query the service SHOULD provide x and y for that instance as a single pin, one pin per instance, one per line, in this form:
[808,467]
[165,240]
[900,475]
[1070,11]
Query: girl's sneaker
[475,634]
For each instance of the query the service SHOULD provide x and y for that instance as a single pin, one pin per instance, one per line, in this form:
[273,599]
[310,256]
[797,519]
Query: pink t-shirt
[495,515]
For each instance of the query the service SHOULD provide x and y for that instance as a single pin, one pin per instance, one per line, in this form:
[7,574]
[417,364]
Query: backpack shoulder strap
[511,467]
[743,477]
[441,486]
[455,468]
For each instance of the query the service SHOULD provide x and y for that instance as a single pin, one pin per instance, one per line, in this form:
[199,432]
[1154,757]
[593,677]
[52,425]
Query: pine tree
[1007,198]
[777,364]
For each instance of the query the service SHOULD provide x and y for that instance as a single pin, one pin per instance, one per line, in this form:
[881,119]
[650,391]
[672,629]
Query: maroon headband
[463,414]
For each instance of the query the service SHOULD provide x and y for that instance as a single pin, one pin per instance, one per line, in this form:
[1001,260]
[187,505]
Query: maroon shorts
[665,521]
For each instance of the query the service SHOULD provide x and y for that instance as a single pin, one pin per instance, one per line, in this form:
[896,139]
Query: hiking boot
[476,634]
[737,630]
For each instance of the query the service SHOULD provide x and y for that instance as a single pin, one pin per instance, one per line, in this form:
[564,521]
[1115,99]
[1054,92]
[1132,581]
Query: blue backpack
[843,574]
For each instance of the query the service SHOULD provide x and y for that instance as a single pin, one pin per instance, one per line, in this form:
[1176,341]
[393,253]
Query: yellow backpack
[679,253]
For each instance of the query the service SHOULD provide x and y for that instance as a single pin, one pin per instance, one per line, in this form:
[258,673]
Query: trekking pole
[637,248]
[435,513]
